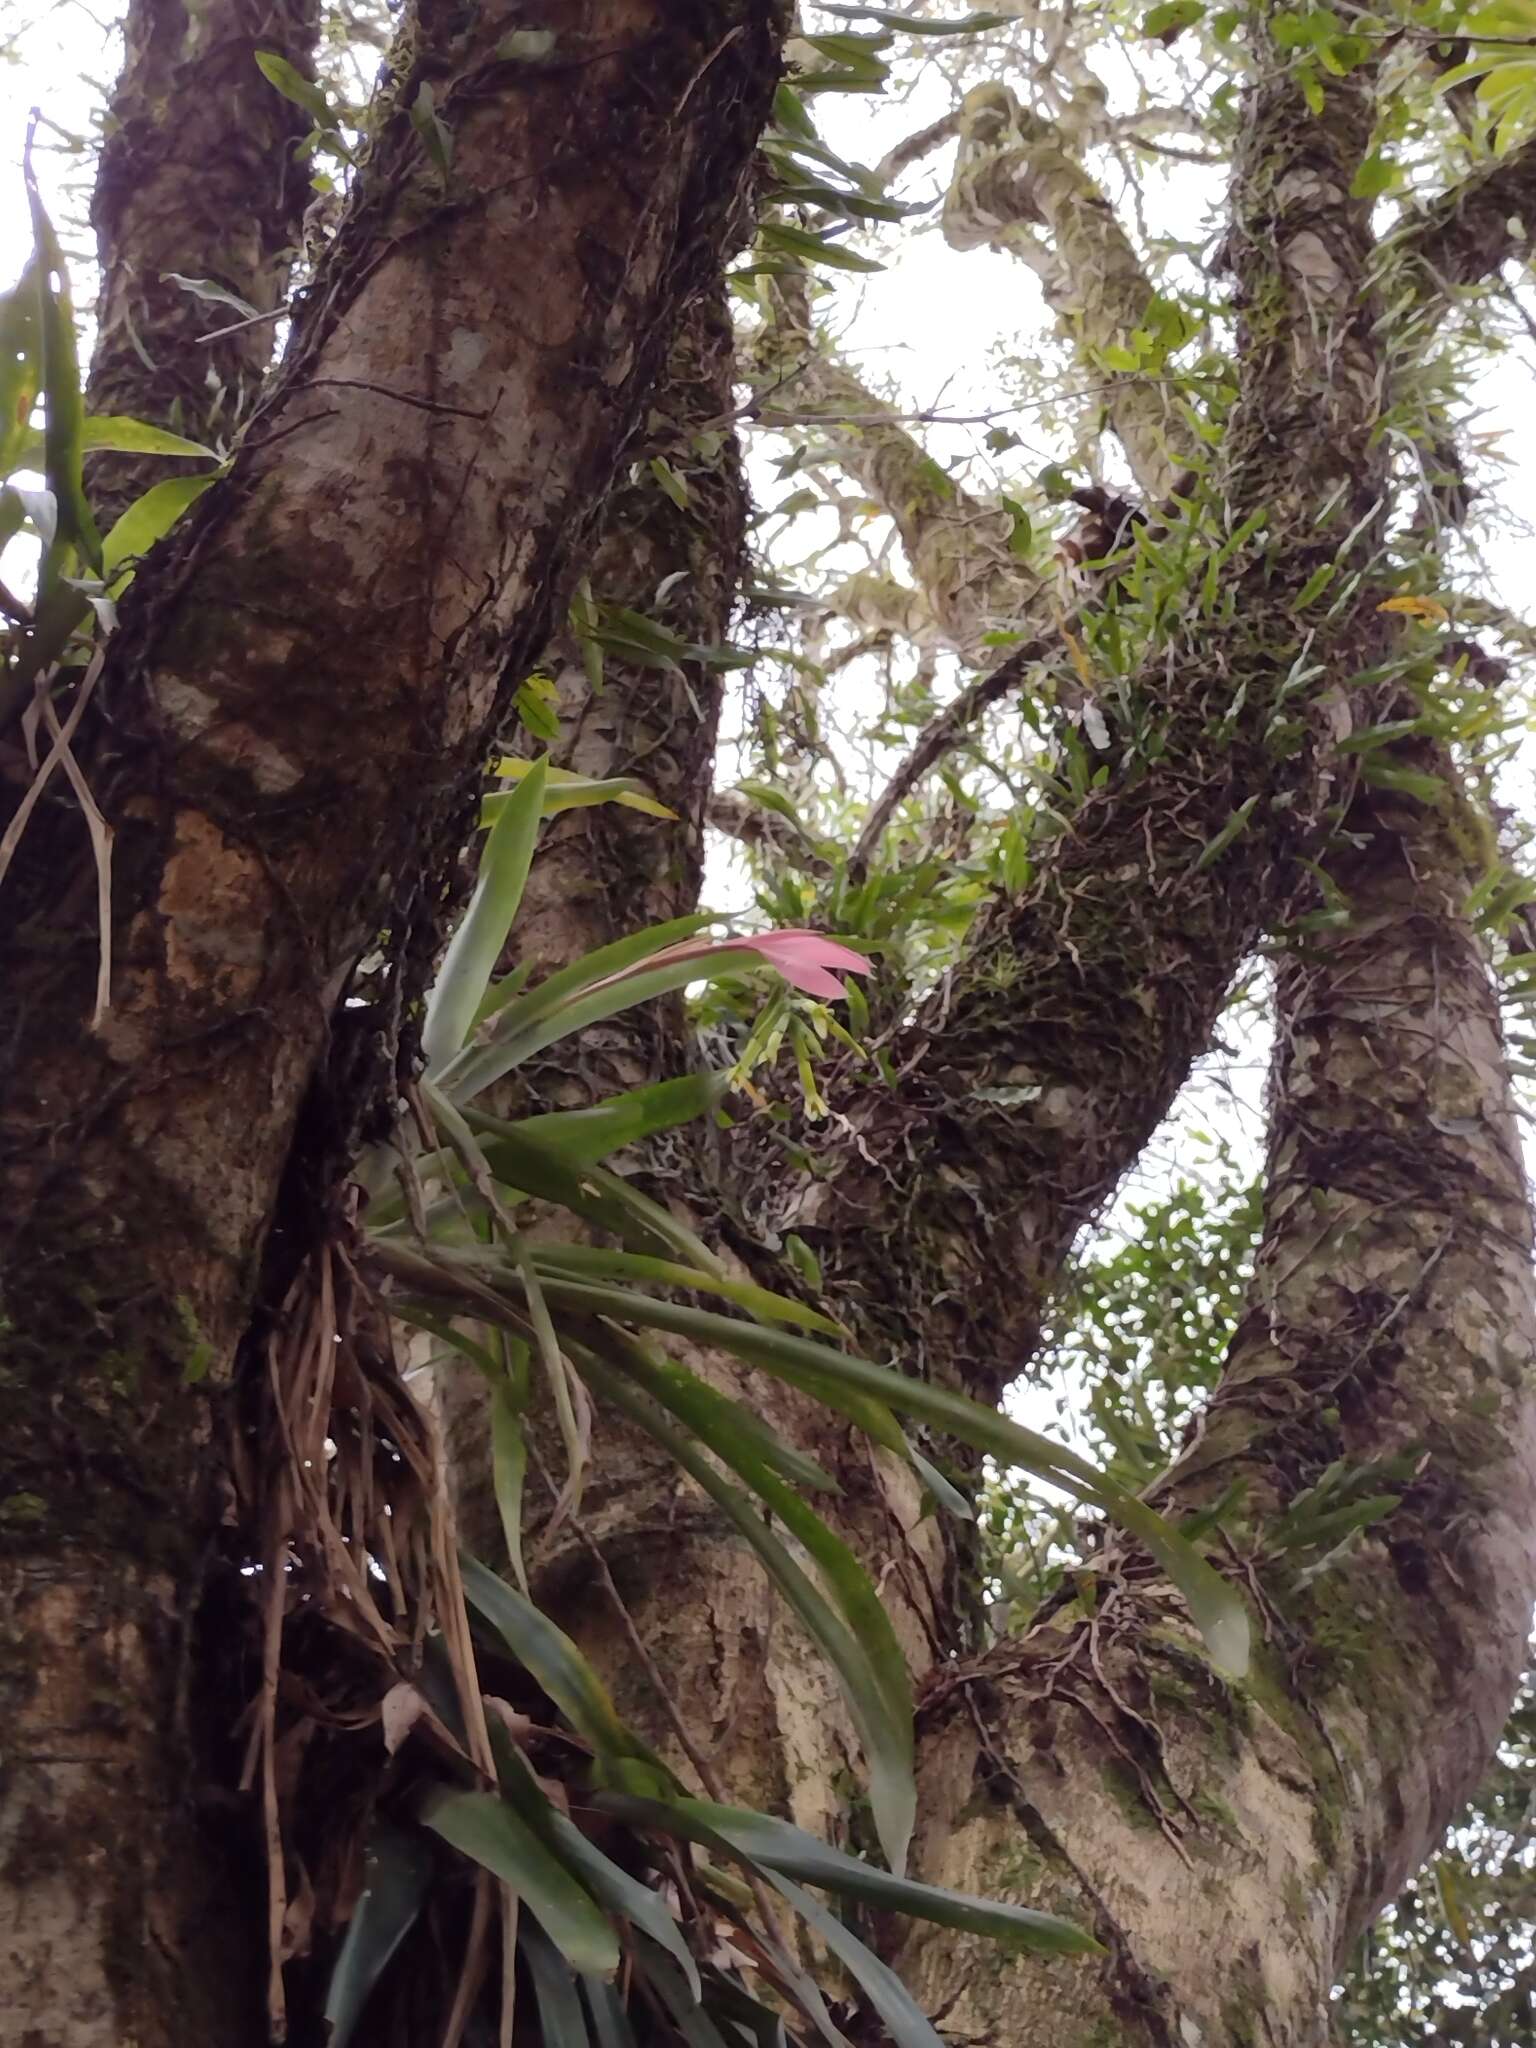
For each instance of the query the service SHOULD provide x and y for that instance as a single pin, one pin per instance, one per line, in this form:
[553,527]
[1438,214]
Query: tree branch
[1471,230]
[1014,173]
[956,543]
[198,177]
[1032,1079]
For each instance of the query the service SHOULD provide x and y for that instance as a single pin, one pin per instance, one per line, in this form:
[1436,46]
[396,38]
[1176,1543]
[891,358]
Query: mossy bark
[1230,1843]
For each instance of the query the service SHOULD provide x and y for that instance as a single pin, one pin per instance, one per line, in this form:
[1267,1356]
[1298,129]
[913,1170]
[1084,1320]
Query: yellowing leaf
[1079,655]
[1429,608]
[568,791]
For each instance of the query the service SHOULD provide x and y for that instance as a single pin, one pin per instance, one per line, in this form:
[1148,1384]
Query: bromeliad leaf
[484,1826]
[397,1868]
[583,1136]
[559,1667]
[593,1262]
[526,1027]
[562,2024]
[475,948]
[611,1886]
[767,1844]
[858,1643]
[1217,1610]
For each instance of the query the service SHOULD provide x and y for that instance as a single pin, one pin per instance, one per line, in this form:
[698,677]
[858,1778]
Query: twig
[238,326]
[940,735]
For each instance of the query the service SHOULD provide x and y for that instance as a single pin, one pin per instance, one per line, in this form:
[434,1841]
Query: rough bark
[604,872]
[1473,229]
[286,735]
[1231,1843]
[197,177]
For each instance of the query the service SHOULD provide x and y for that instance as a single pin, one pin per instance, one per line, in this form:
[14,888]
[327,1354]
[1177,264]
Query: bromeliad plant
[497,1700]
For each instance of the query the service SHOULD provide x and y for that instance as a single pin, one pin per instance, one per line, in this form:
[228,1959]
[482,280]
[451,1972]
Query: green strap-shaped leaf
[610,2022]
[714,1418]
[475,948]
[905,2021]
[63,404]
[485,1827]
[584,1136]
[558,1666]
[124,436]
[693,2022]
[884,1720]
[595,1262]
[397,1867]
[608,1884]
[149,519]
[774,1845]
[1215,1606]
[717,1424]
[562,2023]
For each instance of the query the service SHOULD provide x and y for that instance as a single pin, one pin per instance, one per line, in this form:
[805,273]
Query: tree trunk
[1230,1843]
[291,725]
[197,179]
[299,695]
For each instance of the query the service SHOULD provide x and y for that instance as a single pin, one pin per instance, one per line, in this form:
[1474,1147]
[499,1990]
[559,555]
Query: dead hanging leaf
[1429,609]
[402,1707]
[1094,725]
[518,1726]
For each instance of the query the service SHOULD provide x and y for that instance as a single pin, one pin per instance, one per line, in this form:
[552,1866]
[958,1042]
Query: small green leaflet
[293,85]
[436,136]
[923,25]
[1216,847]
[148,519]
[779,235]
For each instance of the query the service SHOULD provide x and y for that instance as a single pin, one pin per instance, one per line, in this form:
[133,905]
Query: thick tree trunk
[1230,1843]
[298,699]
[606,872]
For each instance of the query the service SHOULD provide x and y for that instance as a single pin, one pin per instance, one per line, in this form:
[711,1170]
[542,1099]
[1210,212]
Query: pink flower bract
[803,958]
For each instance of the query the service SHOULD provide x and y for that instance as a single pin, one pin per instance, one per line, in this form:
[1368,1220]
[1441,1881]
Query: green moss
[1121,1784]
[200,1354]
[1214,1809]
